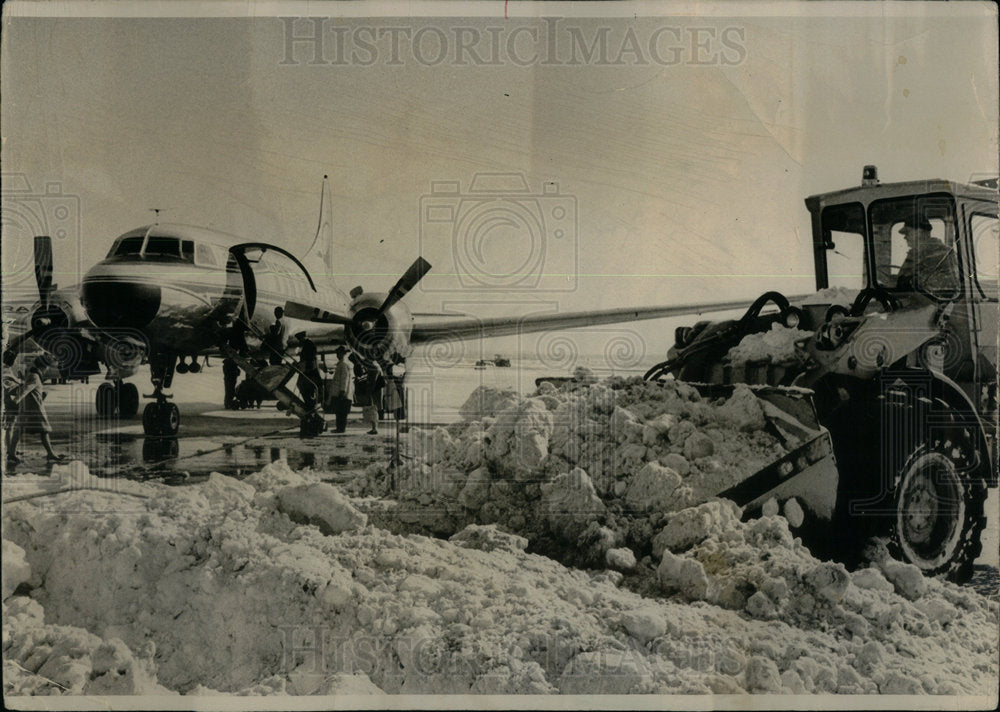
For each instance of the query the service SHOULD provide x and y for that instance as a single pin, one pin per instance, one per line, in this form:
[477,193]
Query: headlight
[792,317]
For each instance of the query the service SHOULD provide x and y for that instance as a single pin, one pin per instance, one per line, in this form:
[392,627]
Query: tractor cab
[908,245]
[863,237]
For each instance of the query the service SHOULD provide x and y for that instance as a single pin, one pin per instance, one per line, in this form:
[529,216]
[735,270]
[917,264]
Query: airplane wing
[464,327]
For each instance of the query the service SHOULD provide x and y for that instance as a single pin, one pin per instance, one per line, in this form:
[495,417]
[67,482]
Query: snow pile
[774,346]
[221,590]
[832,295]
[757,567]
[578,470]
[44,659]
[15,568]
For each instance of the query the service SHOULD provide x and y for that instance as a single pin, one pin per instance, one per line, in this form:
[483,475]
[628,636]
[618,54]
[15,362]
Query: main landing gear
[161,418]
[117,399]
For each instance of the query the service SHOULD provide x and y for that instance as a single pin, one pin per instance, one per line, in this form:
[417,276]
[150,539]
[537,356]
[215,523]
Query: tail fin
[322,245]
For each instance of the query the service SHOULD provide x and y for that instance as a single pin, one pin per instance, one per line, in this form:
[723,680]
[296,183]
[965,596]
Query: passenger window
[187,250]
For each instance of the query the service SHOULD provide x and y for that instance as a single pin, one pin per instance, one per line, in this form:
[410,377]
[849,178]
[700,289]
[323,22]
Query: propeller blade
[295,310]
[408,281]
[43,268]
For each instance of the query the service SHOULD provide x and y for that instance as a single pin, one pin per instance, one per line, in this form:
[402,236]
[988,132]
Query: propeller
[408,281]
[410,278]
[43,316]
[43,268]
[368,327]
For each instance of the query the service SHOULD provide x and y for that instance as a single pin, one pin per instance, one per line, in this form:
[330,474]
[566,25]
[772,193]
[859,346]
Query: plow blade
[807,472]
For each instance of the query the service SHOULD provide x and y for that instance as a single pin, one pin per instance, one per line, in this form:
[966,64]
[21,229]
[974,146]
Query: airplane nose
[120,304]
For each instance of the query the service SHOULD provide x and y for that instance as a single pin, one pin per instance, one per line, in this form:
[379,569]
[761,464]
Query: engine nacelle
[378,336]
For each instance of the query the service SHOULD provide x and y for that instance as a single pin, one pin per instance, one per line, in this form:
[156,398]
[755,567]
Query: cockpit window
[163,246]
[157,246]
[127,246]
[205,255]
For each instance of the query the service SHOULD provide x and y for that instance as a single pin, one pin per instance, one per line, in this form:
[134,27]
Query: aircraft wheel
[151,419]
[128,400]
[105,400]
[170,421]
[161,419]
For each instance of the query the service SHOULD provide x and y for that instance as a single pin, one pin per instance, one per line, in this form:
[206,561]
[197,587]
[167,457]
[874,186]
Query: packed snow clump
[774,346]
[579,470]
[831,295]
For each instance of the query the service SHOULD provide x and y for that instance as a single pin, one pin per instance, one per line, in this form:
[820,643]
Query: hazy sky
[686,170]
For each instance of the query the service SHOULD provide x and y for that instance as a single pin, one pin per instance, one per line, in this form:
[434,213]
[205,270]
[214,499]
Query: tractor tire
[939,502]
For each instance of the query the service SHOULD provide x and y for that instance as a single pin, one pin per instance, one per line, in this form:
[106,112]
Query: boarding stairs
[275,380]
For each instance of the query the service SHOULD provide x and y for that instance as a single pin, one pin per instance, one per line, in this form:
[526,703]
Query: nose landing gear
[161,417]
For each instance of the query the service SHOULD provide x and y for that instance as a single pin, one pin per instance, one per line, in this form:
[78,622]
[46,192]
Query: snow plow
[887,375]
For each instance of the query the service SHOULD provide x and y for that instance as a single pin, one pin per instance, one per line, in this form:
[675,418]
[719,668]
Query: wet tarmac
[211,439]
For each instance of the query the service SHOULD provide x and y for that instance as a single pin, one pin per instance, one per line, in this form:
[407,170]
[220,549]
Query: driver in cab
[929,264]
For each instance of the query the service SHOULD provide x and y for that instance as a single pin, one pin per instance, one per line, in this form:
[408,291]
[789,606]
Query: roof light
[869,176]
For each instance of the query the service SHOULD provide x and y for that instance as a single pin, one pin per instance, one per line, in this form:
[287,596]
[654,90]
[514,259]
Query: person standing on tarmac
[230,374]
[276,340]
[309,376]
[372,401]
[31,416]
[343,390]
[395,401]
[234,333]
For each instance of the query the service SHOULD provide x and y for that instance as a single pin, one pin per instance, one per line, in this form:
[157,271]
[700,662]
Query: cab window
[924,259]
[844,237]
[985,231]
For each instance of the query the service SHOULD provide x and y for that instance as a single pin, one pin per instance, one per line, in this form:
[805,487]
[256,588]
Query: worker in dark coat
[929,264]
[309,381]
[230,374]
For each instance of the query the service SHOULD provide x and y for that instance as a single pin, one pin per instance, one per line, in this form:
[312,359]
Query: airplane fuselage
[175,284]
